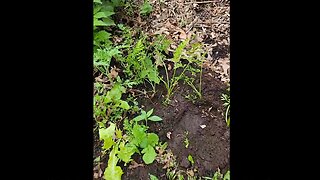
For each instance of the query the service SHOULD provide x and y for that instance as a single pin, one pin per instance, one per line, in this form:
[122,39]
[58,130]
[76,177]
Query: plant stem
[227,111]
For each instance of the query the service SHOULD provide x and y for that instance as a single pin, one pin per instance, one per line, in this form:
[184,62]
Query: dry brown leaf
[113,73]
[134,165]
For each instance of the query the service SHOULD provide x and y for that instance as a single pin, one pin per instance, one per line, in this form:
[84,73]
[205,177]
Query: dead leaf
[135,165]
[113,73]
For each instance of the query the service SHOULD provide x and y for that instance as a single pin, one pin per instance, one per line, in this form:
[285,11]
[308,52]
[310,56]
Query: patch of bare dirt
[202,123]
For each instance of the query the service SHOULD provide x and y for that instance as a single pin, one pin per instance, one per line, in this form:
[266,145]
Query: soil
[208,146]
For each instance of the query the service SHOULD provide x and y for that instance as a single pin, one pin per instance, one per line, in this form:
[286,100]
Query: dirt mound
[202,123]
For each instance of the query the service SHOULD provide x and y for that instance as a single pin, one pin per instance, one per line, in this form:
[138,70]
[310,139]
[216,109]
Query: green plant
[190,159]
[146,8]
[147,116]
[135,140]
[102,11]
[193,65]
[152,177]
[139,67]
[226,99]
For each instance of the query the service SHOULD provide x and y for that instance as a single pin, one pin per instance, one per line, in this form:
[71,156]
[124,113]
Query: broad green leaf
[139,118]
[126,151]
[152,139]
[100,15]
[154,118]
[113,172]
[153,177]
[149,155]
[105,22]
[138,133]
[124,105]
[227,176]
[153,76]
[102,36]
[149,112]
[96,9]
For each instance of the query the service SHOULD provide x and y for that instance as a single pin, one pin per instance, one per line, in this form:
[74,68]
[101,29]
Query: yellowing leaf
[107,136]
[113,172]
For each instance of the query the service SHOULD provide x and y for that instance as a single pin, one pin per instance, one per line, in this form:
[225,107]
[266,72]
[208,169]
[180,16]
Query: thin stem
[200,84]
[227,111]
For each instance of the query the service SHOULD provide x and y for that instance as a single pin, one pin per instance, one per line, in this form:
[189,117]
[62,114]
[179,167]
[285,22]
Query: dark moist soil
[208,146]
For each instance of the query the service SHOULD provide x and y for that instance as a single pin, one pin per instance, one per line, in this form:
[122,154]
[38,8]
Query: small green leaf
[118,133]
[149,112]
[154,118]
[146,8]
[149,155]
[190,158]
[153,177]
[139,118]
[124,105]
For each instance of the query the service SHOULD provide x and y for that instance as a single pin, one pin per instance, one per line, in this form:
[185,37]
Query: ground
[202,121]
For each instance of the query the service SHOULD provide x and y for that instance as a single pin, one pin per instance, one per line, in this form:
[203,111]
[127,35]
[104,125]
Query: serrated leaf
[126,151]
[155,118]
[113,172]
[149,112]
[107,136]
[149,155]
[118,133]
[153,177]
